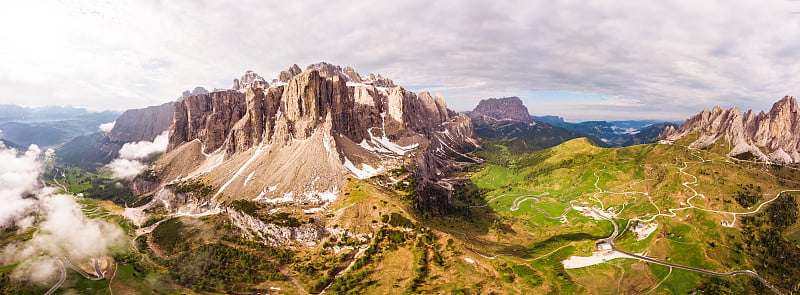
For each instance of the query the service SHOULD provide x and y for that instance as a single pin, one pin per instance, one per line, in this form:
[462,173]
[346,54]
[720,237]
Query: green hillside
[694,196]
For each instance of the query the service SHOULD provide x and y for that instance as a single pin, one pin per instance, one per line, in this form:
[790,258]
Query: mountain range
[48,125]
[322,179]
[296,141]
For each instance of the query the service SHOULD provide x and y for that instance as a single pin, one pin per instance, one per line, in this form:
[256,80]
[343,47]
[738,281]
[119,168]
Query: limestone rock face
[501,109]
[327,70]
[297,141]
[142,124]
[352,75]
[206,117]
[769,136]
[248,80]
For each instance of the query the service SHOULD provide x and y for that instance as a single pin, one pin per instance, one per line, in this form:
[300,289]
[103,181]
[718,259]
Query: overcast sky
[579,59]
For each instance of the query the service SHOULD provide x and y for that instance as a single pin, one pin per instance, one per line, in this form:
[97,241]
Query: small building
[603,246]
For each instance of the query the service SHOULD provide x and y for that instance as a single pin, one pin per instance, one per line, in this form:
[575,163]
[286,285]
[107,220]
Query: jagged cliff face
[501,109]
[769,136]
[298,140]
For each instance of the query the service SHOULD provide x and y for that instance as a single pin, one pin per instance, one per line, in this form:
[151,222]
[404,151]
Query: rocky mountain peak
[297,140]
[327,70]
[787,106]
[352,75]
[285,75]
[502,109]
[770,136]
[248,80]
[196,91]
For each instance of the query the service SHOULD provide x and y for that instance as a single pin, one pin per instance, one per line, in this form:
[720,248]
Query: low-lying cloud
[125,169]
[129,163]
[60,227]
[142,149]
[106,127]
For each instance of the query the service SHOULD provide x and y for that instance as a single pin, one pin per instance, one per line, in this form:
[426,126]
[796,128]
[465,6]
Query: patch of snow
[365,172]
[469,260]
[272,188]
[325,197]
[212,161]
[249,176]
[313,210]
[287,197]
[329,196]
[241,169]
[326,143]
[357,84]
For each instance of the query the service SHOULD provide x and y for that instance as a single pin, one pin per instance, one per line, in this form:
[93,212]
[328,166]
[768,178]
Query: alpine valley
[323,180]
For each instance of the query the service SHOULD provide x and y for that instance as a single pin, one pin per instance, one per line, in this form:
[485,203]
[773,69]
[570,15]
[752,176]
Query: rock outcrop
[249,80]
[206,117]
[297,141]
[286,75]
[768,136]
[501,109]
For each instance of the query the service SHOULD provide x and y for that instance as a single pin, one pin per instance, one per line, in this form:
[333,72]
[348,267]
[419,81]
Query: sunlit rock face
[770,136]
[297,139]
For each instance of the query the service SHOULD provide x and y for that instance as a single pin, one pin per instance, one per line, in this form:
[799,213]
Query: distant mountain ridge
[612,133]
[15,113]
[133,125]
[506,119]
[771,136]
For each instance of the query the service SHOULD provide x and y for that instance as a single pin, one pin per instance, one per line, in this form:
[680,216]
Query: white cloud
[18,176]
[677,55]
[106,127]
[61,228]
[125,169]
[129,164]
[141,149]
